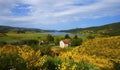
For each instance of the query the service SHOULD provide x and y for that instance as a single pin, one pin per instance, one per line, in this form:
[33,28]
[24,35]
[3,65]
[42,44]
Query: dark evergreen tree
[67,36]
[76,42]
[75,37]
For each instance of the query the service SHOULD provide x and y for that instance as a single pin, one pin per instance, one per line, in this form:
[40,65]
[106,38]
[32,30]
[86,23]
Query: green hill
[6,29]
[112,29]
[101,52]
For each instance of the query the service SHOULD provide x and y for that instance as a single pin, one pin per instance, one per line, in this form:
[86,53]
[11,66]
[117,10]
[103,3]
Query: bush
[76,42]
[2,34]
[67,36]
[90,36]
[2,43]
[116,64]
[71,65]
[46,51]
[50,38]
[32,42]
[32,59]
[51,63]
[57,40]
[8,62]
[86,66]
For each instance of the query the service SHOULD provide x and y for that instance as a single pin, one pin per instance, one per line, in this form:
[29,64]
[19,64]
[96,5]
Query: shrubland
[90,54]
[101,52]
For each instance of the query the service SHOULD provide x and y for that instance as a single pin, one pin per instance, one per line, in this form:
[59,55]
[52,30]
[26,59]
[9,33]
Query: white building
[64,43]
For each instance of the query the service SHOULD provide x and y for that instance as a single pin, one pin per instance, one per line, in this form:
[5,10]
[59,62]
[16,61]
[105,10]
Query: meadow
[99,53]
[11,37]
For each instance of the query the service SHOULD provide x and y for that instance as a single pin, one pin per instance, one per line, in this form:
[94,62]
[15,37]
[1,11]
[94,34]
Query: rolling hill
[5,29]
[109,29]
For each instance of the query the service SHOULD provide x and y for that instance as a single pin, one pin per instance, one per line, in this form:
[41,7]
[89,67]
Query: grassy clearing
[13,37]
[7,39]
[17,37]
[27,36]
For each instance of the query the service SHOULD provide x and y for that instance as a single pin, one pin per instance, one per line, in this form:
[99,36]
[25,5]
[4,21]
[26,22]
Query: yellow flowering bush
[101,52]
[32,58]
[66,65]
[8,50]
[93,54]
[23,57]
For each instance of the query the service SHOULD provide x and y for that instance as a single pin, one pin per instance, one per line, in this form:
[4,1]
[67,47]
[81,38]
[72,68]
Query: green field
[17,37]
[13,37]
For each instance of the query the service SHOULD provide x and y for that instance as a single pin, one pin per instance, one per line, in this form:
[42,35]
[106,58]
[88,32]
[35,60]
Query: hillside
[101,52]
[109,29]
[5,29]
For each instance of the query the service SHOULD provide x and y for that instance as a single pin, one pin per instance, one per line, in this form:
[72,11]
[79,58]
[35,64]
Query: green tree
[50,38]
[75,37]
[76,42]
[57,40]
[67,36]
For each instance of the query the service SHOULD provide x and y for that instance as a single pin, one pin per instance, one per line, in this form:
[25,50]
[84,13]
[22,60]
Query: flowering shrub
[25,55]
[71,65]
[93,54]
[101,52]
[32,58]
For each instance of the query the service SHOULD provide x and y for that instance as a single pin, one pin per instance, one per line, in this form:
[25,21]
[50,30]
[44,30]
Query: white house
[64,43]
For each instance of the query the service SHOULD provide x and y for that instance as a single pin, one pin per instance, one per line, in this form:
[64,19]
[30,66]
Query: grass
[7,39]
[28,36]
[12,37]
[17,37]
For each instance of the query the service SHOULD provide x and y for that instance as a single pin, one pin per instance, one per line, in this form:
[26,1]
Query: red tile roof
[66,41]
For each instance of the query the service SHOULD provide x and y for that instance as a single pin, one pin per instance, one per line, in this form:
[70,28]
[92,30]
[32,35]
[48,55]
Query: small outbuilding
[65,43]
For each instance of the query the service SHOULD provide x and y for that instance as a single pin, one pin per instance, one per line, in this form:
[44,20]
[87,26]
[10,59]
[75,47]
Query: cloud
[56,11]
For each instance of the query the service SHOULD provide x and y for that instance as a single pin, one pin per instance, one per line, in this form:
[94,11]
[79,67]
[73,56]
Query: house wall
[66,45]
[62,45]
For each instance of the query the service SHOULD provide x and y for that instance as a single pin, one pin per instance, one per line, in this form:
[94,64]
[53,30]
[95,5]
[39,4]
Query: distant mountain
[109,29]
[5,29]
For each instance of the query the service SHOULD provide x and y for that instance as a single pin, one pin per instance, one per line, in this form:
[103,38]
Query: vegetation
[101,52]
[109,29]
[50,38]
[9,29]
[21,58]
[93,54]
[76,42]
[75,37]
[67,36]
[36,51]
[13,37]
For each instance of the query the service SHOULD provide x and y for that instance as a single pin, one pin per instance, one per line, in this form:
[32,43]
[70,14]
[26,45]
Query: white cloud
[59,11]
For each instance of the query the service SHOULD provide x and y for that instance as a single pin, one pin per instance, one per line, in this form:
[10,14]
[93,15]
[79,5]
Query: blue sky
[58,14]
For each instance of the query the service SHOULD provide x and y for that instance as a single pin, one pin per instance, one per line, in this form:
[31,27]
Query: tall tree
[67,36]
[50,38]
[76,42]
[75,37]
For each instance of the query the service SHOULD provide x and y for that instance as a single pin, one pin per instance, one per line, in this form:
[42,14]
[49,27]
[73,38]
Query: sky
[58,14]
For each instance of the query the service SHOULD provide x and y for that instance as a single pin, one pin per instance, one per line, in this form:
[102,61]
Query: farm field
[17,37]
